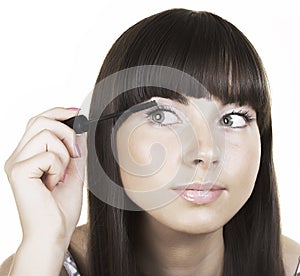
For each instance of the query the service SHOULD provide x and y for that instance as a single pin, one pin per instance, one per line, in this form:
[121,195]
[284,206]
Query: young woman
[183,187]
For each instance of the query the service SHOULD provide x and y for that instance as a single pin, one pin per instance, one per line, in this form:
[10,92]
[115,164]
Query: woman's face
[190,166]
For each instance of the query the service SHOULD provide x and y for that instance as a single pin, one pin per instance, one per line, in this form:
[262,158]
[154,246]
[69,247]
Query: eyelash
[243,113]
[160,108]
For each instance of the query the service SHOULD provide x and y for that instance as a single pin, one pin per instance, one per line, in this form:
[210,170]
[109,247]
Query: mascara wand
[81,124]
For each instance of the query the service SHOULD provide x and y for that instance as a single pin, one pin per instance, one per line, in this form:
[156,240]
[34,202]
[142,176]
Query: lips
[200,193]
[200,187]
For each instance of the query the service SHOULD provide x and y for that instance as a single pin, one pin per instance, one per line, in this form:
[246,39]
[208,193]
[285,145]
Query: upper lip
[199,187]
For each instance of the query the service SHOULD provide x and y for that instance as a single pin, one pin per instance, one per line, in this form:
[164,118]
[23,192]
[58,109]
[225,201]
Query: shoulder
[79,237]
[78,249]
[5,266]
[291,254]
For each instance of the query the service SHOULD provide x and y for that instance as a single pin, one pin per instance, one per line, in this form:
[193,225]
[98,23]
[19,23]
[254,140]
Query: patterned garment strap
[70,265]
[297,273]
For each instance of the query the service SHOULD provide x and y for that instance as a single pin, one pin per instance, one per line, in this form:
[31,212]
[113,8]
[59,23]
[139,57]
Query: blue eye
[163,116]
[238,119]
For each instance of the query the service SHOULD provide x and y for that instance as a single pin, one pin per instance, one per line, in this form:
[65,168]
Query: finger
[32,169]
[62,131]
[73,183]
[72,187]
[75,174]
[56,113]
[44,141]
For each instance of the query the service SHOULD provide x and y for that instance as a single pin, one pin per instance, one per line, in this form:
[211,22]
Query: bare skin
[187,238]
[291,252]
[184,240]
[179,253]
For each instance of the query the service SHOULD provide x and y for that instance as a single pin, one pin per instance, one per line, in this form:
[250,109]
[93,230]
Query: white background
[51,53]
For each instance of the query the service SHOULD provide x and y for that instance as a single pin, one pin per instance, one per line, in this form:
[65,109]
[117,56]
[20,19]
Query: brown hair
[220,57]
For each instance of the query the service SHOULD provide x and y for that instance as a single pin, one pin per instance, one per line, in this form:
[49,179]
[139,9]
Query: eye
[238,119]
[163,116]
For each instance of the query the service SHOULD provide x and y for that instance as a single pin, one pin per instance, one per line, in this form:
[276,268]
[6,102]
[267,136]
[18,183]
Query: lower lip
[200,197]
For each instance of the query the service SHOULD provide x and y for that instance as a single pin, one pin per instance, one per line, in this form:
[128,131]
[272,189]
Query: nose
[206,158]
[202,146]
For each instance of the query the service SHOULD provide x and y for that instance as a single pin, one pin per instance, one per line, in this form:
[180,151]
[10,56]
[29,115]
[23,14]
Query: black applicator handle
[81,125]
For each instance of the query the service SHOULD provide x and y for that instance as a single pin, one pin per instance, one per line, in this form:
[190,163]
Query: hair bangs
[204,46]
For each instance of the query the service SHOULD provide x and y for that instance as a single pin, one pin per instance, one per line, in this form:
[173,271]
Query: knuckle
[44,137]
[14,172]
[39,120]
[6,165]
[70,134]
[52,157]
[64,156]
[36,120]
[31,121]
[55,159]
[47,134]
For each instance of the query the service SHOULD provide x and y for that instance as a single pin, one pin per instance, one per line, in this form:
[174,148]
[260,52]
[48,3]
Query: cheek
[241,164]
[148,157]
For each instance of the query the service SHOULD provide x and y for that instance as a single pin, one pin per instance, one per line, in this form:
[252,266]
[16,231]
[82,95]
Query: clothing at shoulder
[70,265]
[298,269]
[78,248]
[291,254]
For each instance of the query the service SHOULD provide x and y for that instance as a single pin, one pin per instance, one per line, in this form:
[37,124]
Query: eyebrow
[182,99]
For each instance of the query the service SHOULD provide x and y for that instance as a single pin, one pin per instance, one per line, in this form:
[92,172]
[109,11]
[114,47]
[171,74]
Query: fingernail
[64,176]
[77,150]
[73,108]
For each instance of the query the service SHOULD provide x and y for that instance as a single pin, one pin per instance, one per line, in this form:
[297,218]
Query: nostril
[215,162]
[197,161]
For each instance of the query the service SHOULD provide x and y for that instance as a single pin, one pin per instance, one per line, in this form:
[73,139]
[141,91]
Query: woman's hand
[46,178]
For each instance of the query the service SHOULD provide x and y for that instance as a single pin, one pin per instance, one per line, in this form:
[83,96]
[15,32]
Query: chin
[197,227]
[193,222]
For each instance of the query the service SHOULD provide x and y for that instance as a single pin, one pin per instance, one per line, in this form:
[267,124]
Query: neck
[166,252]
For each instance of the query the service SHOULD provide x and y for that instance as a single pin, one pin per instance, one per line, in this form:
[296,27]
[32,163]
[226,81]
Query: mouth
[198,193]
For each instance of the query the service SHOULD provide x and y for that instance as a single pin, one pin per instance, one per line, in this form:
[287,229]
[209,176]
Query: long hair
[221,58]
